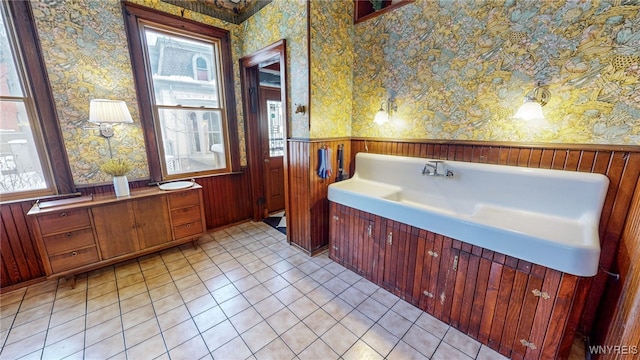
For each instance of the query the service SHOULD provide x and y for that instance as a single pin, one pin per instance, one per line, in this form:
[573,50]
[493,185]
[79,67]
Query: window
[25,171]
[185,69]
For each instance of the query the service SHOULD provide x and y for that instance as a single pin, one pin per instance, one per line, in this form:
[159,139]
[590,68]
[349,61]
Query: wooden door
[272,138]
[396,258]
[116,240]
[152,220]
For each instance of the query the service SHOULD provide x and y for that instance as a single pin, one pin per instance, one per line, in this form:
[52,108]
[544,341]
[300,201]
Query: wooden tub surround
[522,310]
[81,234]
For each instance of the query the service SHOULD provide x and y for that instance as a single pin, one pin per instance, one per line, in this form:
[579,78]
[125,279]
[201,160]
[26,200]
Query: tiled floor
[243,293]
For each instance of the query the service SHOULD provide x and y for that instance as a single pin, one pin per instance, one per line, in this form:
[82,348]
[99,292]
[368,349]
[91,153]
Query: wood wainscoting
[226,201]
[308,217]
[621,164]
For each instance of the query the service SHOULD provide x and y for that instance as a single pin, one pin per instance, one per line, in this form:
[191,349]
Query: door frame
[255,161]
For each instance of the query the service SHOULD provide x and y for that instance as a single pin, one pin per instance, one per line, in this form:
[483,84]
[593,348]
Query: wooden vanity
[81,234]
[520,309]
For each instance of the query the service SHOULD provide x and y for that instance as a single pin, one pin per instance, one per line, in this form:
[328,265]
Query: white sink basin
[547,217]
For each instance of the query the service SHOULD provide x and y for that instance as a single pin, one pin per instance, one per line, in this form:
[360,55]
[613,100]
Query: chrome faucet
[433,168]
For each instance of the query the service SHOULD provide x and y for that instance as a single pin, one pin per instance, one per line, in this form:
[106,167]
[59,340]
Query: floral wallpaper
[284,19]
[85,50]
[331,62]
[460,70]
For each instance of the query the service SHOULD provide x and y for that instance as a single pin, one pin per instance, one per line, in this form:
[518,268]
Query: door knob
[266,161]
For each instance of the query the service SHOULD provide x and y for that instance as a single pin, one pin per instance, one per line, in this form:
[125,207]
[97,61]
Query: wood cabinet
[522,310]
[79,235]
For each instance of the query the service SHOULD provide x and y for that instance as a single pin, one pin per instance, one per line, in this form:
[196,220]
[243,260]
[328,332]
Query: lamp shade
[102,111]
[381,117]
[530,110]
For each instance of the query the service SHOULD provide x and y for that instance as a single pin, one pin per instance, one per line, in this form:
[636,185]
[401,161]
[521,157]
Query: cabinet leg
[194,242]
[71,279]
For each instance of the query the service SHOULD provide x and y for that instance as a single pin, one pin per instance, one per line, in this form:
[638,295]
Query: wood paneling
[226,200]
[620,164]
[308,217]
[618,323]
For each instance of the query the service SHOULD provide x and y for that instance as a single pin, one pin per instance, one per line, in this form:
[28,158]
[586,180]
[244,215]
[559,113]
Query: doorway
[263,78]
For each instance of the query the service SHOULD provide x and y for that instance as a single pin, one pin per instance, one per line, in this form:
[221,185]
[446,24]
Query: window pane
[20,168]
[183,69]
[276,128]
[9,80]
[193,141]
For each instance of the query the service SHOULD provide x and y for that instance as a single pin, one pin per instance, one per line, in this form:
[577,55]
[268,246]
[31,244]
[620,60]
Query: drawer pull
[188,225]
[390,238]
[75,253]
[455,263]
[336,218]
[427,294]
[541,294]
[69,234]
[432,253]
[64,214]
[369,231]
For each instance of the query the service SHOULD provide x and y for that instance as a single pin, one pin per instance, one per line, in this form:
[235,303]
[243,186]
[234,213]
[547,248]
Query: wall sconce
[531,109]
[105,113]
[382,116]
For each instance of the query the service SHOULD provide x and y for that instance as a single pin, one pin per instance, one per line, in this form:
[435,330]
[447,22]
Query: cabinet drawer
[69,241]
[74,259]
[64,220]
[190,229]
[183,198]
[185,215]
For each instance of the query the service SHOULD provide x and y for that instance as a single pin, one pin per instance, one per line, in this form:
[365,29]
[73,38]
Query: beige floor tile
[486,353]
[180,333]
[105,288]
[245,320]
[275,350]
[219,335]
[209,318]
[127,268]
[12,297]
[395,324]
[448,352]
[225,293]
[134,302]
[318,350]
[194,292]
[32,314]
[321,295]
[9,310]
[173,317]
[303,307]
[361,351]
[103,314]
[268,306]
[282,320]
[26,330]
[129,280]
[407,310]
[234,306]
[101,276]
[421,340]
[137,316]
[339,338]
[67,314]
[182,272]
[163,291]
[201,304]
[372,308]
[432,325]
[462,342]
[381,340]
[234,349]
[167,303]
[246,283]
[353,296]
[403,351]
[25,346]
[337,308]
[299,337]
[320,321]
[64,348]
[257,294]
[276,283]
[103,331]
[141,332]
[259,336]
[385,298]
[150,273]
[357,322]
[195,348]
[65,330]
[157,281]
[133,290]
[148,349]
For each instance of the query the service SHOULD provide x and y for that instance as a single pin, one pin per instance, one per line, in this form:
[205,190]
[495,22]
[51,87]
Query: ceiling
[233,11]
